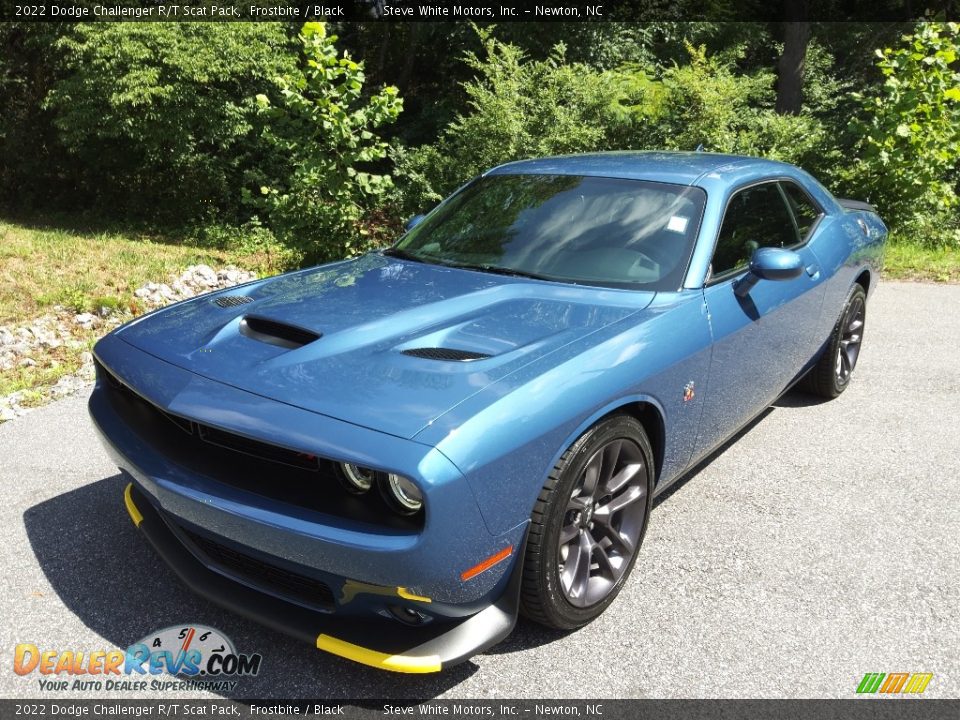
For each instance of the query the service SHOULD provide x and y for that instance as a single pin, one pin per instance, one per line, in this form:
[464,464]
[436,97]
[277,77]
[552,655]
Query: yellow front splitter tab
[131,507]
[383,661]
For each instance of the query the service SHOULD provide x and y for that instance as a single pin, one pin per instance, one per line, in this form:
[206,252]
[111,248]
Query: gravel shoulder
[766,573]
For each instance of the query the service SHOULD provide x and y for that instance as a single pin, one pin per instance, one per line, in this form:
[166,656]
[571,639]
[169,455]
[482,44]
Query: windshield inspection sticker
[677,224]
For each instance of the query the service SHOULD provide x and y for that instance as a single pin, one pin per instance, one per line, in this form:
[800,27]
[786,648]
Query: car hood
[365,313]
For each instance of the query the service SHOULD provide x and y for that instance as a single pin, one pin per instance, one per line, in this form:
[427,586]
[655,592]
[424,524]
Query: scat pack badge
[688,391]
[202,657]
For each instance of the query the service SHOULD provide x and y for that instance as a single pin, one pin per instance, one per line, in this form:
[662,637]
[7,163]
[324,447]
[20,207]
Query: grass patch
[83,270]
[43,267]
[912,261]
[50,366]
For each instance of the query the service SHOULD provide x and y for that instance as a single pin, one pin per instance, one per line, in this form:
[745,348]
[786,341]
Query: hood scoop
[445,354]
[226,301]
[276,333]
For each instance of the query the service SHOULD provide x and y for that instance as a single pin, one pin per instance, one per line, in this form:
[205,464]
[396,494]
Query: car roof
[683,168]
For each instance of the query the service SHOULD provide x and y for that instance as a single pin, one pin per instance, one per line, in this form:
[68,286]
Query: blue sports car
[392,456]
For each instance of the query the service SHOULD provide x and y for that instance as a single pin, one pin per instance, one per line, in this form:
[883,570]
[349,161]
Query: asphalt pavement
[821,545]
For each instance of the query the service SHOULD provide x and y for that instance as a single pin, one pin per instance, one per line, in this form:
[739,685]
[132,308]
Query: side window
[805,212]
[756,217]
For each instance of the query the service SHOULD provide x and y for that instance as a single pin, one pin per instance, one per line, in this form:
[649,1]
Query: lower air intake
[269,577]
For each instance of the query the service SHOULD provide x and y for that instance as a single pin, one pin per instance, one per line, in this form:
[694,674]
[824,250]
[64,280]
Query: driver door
[763,340]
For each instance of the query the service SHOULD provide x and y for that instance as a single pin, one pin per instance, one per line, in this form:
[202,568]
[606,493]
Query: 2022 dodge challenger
[391,456]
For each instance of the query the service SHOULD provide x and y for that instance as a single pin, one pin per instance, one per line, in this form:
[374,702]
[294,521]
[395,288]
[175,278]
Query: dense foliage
[267,132]
[321,132]
[909,135]
[161,116]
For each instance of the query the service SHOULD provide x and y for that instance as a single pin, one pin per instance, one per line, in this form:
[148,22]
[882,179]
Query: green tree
[705,101]
[33,164]
[516,108]
[909,141]
[161,115]
[526,108]
[322,127]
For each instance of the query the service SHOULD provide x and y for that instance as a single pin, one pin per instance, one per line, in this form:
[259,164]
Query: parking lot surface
[819,546]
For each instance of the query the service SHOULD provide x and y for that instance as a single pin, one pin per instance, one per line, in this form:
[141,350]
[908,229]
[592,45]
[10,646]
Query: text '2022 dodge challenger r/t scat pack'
[392,456]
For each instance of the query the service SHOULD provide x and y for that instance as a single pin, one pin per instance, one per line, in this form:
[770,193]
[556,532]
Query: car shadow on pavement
[705,463]
[799,399]
[110,578]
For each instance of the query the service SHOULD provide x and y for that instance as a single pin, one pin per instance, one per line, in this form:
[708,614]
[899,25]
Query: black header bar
[498,11]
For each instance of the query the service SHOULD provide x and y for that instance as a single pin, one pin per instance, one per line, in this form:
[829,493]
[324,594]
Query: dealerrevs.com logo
[202,658]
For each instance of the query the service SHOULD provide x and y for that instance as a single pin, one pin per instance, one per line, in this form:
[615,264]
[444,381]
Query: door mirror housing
[769,263]
[414,221]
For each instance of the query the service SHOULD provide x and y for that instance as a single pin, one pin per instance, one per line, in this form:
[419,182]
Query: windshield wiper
[498,270]
[494,269]
[403,255]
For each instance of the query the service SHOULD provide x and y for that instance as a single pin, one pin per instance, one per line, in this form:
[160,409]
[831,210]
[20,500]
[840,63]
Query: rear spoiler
[848,204]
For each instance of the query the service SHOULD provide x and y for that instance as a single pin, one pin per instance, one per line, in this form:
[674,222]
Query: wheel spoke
[611,453]
[605,565]
[568,533]
[592,474]
[624,545]
[576,571]
[852,353]
[617,482]
[605,512]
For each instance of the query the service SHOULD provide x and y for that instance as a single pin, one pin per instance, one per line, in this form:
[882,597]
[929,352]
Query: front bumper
[372,641]
[186,505]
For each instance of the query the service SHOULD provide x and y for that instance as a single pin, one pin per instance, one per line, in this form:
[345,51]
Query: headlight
[401,494]
[356,479]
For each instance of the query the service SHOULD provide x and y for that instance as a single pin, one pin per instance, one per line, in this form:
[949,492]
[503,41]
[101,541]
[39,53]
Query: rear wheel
[588,524]
[831,375]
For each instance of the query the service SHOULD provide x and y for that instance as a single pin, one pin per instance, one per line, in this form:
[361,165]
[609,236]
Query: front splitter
[373,641]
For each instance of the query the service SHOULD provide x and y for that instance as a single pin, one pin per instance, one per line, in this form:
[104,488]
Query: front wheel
[588,524]
[831,375]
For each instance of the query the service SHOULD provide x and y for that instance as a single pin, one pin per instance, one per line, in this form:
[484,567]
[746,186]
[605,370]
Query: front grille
[274,453]
[230,441]
[268,577]
[448,354]
[297,478]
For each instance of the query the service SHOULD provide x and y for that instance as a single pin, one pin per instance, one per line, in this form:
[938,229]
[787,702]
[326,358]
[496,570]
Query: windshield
[568,228]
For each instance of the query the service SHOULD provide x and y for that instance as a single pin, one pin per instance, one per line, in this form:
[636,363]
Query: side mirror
[769,263]
[414,221]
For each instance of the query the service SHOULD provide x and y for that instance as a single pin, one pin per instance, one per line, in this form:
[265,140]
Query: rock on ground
[23,346]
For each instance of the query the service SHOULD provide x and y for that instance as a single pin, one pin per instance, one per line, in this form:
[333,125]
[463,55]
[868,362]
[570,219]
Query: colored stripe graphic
[894,682]
[918,682]
[914,683]
[870,682]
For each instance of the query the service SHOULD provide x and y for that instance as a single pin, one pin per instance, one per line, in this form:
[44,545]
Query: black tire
[611,520]
[831,375]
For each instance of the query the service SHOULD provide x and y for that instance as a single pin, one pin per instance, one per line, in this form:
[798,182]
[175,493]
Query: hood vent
[447,354]
[226,301]
[276,333]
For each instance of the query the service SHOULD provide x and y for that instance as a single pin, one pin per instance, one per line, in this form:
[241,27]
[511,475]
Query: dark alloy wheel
[831,375]
[588,524]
